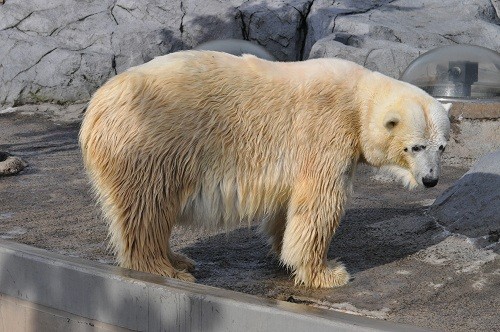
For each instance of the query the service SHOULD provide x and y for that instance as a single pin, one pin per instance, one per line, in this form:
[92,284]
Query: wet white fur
[209,138]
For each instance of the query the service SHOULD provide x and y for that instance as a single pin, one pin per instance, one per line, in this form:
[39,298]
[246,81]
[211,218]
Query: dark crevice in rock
[18,101]
[303,29]
[111,9]
[125,9]
[87,16]
[61,28]
[33,65]
[367,56]
[19,22]
[54,31]
[450,38]
[4,156]
[496,8]
[113,64]
[183,10]
[245,29]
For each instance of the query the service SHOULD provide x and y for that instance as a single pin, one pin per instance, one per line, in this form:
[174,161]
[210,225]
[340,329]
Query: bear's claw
[181,262]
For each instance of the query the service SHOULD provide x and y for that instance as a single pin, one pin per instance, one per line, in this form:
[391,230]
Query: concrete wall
[475,131]
[42,291]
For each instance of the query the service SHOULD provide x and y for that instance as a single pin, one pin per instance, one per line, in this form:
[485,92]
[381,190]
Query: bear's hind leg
[274,228]
[140,229]
[145,257]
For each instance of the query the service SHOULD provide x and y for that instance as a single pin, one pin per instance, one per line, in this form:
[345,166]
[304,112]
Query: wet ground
[407,268]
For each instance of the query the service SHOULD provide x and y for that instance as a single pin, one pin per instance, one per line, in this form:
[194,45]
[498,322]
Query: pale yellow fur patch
[213,139]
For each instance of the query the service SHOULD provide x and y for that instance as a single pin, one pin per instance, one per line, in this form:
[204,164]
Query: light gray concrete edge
[138,301]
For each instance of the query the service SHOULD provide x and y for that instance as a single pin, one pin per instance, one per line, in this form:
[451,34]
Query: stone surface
[471,207]
[387,35]
[470,139]
[385,56]
[61,51]
[474,131]
[57,113]
[10,165]
[279,26]
[406,268]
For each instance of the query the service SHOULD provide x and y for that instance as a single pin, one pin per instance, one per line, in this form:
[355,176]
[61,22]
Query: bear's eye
[406,149]
[416,148]
[441,148]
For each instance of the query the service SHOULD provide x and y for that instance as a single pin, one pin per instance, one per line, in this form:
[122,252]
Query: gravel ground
[407,268]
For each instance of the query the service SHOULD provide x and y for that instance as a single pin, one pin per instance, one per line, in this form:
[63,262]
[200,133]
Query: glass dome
[457,72]
[236,47]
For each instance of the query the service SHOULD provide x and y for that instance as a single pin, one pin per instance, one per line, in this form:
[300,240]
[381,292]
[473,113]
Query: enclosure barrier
[44,291]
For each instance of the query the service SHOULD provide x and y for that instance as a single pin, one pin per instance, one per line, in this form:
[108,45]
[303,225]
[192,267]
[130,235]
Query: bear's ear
[391,119]
[447,107]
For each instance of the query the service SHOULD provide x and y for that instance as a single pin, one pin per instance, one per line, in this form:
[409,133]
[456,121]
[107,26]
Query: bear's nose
[429,182]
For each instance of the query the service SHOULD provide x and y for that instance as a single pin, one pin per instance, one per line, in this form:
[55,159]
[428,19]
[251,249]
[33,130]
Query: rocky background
[418,261]
[61,51]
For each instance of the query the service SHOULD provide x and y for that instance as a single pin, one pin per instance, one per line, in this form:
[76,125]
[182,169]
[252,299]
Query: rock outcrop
[471,207]
[10,165]
[61,51]
[387,35]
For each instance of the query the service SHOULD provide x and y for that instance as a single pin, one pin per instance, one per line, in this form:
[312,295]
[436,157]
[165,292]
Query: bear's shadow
[366,238]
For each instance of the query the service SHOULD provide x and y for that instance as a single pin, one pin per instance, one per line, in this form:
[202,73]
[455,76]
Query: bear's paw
[181,262]
[332,275]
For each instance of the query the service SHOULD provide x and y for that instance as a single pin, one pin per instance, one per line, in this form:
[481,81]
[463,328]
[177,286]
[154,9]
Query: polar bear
[209,138]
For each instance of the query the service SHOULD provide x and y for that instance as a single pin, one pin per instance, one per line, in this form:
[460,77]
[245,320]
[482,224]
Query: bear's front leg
[314,213]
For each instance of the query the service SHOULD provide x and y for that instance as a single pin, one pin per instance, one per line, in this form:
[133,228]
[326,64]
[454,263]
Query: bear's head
[405,131]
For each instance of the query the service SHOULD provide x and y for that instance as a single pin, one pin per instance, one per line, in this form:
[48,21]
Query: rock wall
[61,51]
[387,35]
[470,207]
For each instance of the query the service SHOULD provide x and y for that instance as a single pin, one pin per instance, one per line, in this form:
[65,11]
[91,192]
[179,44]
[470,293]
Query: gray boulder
[279,26]
[472,205]
[388,57]
[10,165]
[61,51]
[387,35]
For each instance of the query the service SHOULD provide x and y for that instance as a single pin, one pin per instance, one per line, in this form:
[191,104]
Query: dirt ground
[406,267]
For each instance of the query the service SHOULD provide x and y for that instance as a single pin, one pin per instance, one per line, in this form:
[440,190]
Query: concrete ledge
[21,315]
[475,109]
[474,131]
[39,290]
